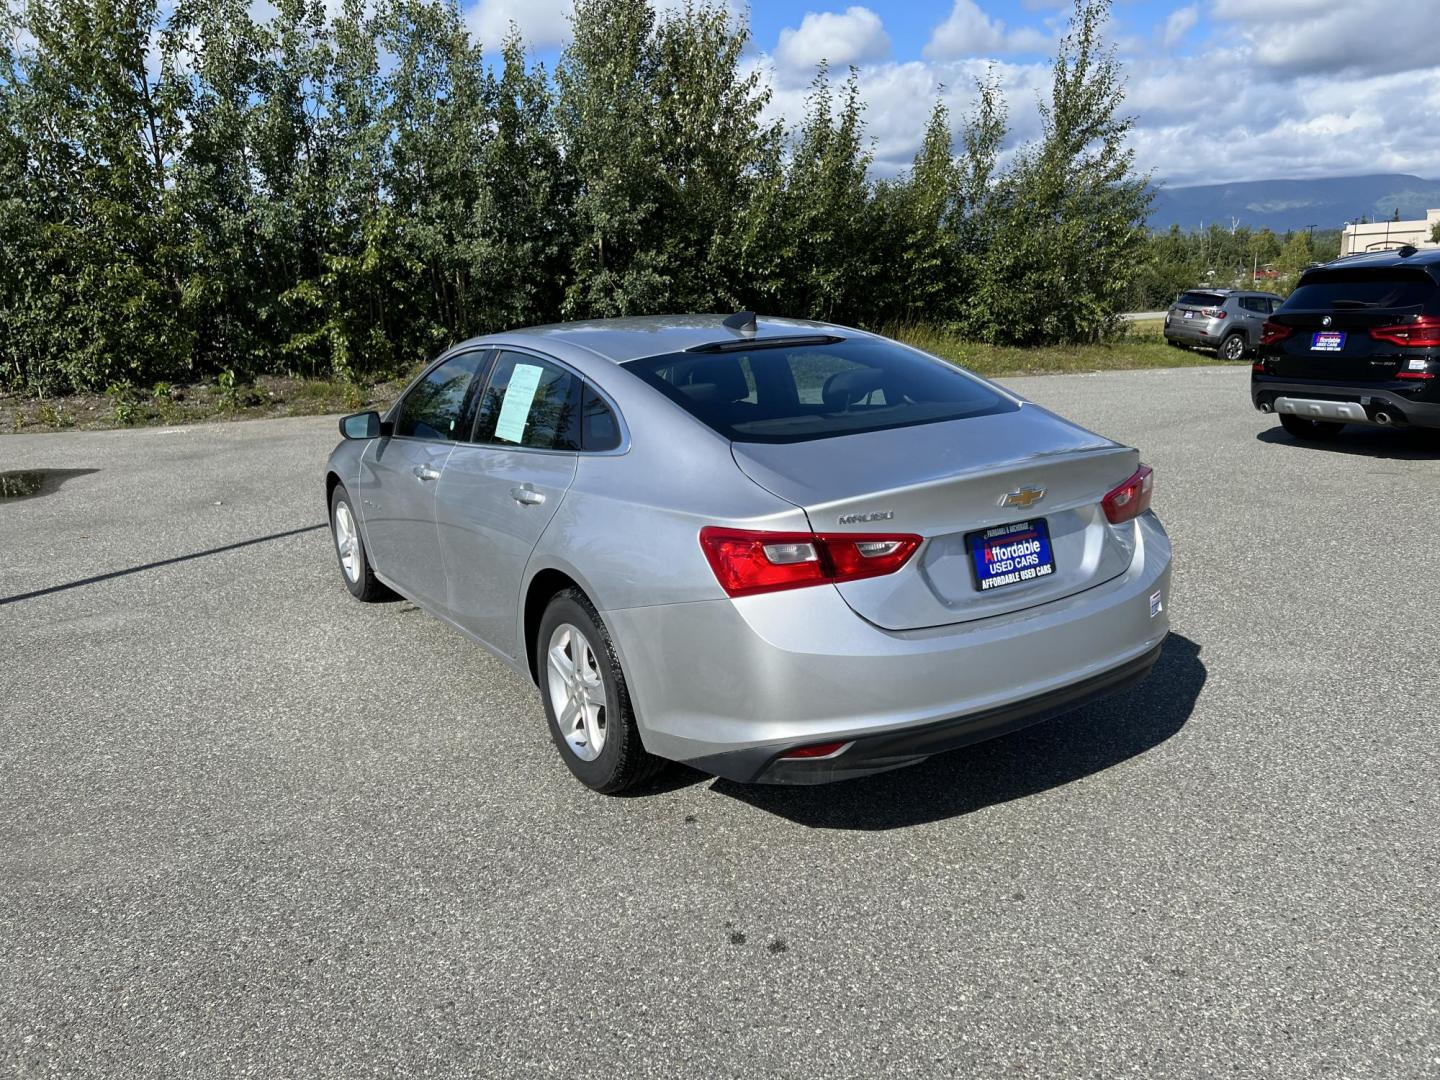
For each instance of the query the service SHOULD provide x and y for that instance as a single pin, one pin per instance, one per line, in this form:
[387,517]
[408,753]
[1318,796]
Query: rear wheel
[1233,347]
[586,700]
[1310,430]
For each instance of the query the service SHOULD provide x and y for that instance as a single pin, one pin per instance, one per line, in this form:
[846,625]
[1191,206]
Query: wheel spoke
[572,717]
[561,662]
[594,729]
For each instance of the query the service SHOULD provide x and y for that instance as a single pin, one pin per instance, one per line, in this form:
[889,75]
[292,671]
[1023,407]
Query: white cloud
[851,38]
[542,23]
[970,32]
[1181,22]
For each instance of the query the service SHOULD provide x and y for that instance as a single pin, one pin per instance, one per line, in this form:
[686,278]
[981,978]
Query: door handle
[526,495]
[425,472]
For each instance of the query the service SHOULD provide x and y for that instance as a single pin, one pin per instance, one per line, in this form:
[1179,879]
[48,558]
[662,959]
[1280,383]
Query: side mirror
[363,425]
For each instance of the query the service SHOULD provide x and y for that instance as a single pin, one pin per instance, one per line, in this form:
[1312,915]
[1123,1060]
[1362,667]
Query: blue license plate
[1327,341]
[1010,554]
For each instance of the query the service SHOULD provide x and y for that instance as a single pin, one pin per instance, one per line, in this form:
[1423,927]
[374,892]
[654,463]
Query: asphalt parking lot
[251,827]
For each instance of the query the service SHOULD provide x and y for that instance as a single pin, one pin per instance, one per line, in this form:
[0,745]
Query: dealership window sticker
[519,396]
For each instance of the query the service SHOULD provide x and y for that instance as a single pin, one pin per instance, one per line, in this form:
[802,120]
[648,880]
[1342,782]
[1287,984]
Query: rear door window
[1359,288]
[1200,299]
[436,406]
[817,390]
[530,402]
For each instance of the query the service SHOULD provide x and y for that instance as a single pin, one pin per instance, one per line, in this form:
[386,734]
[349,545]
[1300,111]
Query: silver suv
[1226,320]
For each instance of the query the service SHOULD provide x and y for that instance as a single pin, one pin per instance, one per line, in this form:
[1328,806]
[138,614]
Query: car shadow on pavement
[1405,444]
[1045,756]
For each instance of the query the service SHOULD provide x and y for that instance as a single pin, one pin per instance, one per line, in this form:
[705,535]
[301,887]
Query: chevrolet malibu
[777,551]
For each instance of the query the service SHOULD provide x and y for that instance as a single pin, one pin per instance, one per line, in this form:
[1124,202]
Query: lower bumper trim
[894,749]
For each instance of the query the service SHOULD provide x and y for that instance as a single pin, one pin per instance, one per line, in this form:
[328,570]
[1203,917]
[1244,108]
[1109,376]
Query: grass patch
[1140,346]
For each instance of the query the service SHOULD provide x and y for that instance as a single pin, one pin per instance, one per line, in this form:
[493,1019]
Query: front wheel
[1233,347]
[586,700]
[355,569]
[1310,430]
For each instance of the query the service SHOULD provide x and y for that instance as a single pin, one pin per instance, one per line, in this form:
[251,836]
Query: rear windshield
[1357,288]
[1201,299]
[791,393]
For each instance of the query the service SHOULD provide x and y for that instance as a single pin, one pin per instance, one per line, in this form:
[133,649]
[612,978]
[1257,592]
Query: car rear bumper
[731,686]
[1349,403]
[1195,332]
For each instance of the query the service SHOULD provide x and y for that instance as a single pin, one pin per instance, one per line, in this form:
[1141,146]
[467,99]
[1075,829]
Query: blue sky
[1221,90]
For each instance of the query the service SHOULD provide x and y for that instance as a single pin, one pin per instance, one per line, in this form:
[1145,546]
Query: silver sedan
[778,551]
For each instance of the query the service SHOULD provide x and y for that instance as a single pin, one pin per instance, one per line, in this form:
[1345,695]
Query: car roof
[1426,257]
[1229,292]
[633,337]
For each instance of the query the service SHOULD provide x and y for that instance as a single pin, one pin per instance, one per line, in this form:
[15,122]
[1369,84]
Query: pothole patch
[18,484]
[25,483]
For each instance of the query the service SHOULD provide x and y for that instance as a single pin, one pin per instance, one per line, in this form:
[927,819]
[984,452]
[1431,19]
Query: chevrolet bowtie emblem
[1026,496]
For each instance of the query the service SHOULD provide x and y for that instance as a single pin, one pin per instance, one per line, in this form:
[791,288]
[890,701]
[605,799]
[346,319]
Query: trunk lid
[945,481]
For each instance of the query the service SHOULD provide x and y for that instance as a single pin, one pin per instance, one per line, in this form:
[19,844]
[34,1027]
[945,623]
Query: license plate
[1010,554]
[1189,314]
[1327,341]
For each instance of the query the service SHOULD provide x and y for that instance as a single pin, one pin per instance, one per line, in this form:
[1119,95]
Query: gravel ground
[250,827]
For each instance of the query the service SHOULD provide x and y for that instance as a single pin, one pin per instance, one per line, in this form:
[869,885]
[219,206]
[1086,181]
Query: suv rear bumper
[1402,408]
[1205,332]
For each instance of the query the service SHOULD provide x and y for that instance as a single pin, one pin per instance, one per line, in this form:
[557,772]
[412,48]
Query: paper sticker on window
[519,395]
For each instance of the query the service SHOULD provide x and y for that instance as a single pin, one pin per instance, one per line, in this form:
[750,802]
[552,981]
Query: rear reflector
[818,750]
[1132,498]
[1272,332]
[1414,375]
[1422,333]
[748,561]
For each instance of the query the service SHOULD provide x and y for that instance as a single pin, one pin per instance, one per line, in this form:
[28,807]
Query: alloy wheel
[577,691]
[347,542]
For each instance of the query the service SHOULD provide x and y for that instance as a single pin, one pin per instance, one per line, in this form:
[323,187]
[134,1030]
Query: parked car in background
[1357,342]
[1226,320]
[775,550]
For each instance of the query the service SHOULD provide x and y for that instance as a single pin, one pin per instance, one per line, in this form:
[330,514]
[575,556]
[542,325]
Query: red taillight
[1272,332]
[1415,375]
[1213,312]
[816,750]
[1423,333]
[749,561]
[1132,498]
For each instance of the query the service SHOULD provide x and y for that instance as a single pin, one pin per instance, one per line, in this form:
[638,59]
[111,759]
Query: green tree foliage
[1069,215]
[296,187]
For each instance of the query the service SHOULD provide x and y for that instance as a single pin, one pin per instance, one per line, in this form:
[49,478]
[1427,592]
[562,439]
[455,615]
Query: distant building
[1380,235]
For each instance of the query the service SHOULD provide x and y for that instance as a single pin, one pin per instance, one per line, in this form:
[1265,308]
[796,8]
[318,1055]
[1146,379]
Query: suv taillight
[1213,312]
[1422,333]
[748,561]
[1132,498]
[1272,332]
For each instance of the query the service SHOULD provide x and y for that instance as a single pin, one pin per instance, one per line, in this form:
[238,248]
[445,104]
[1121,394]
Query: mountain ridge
[1286,205]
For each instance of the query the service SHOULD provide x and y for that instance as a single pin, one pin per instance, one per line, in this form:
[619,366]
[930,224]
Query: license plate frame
[1010,554]
[1333,341]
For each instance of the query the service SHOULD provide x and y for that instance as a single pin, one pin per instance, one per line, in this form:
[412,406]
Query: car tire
[355,569]
[1310,430]
[587,702]
[1233,347]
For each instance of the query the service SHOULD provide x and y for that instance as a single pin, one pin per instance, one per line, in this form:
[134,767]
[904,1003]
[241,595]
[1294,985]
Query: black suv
[1357,342]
